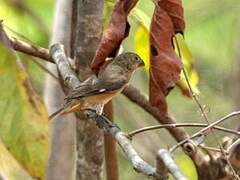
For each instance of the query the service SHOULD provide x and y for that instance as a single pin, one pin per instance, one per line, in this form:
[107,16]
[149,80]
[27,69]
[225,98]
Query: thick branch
[165,158]
[59,57]
[138,163]
[161,169]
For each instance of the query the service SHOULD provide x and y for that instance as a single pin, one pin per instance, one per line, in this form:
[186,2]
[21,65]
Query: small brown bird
[94,92]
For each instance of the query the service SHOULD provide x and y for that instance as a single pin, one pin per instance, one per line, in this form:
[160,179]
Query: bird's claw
[91,113]
[101,120]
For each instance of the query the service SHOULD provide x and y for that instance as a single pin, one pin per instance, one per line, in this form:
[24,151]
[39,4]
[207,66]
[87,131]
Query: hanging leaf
[174,9]
[118,30]
[165,65]
[23,117]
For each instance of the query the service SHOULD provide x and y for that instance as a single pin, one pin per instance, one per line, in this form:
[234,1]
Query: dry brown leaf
[165,65]
[118,30]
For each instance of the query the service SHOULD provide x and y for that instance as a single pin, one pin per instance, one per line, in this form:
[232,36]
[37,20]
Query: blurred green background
[212,28]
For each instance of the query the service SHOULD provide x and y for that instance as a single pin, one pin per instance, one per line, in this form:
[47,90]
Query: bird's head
[129,61]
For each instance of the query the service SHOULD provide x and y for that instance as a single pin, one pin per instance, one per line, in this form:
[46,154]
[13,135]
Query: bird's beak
[141,63]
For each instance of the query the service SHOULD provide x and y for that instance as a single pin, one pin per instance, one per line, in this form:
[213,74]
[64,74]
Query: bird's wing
[99,87]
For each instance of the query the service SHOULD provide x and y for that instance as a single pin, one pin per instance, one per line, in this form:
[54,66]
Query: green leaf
[23,117]
[9,167]
[141,44]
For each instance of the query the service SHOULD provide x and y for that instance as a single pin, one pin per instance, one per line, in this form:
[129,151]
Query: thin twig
[31,50]
[45,69]
[149,128]
[206,129]
[21,36]
[233,145]
[211,148]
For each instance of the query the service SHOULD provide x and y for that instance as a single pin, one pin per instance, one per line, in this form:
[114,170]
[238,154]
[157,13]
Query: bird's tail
[57,113]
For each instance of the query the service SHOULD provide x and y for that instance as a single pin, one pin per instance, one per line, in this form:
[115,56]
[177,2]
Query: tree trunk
[63,142]
[86,37]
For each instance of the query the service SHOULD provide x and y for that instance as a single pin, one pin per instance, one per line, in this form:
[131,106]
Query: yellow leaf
[23,117]
[141,44]
[194,77]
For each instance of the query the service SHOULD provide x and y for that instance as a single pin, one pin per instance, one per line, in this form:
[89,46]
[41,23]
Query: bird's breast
[100,98]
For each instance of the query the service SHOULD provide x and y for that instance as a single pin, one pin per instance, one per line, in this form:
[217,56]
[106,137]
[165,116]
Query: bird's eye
[136,58]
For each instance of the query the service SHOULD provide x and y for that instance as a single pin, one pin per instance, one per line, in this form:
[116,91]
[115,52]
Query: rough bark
[63,154]
[88,17]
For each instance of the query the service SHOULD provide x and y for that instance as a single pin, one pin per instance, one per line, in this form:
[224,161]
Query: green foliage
[24,119]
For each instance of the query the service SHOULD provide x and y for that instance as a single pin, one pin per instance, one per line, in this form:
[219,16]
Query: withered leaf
[118,30]
[174,9]
[165,66]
